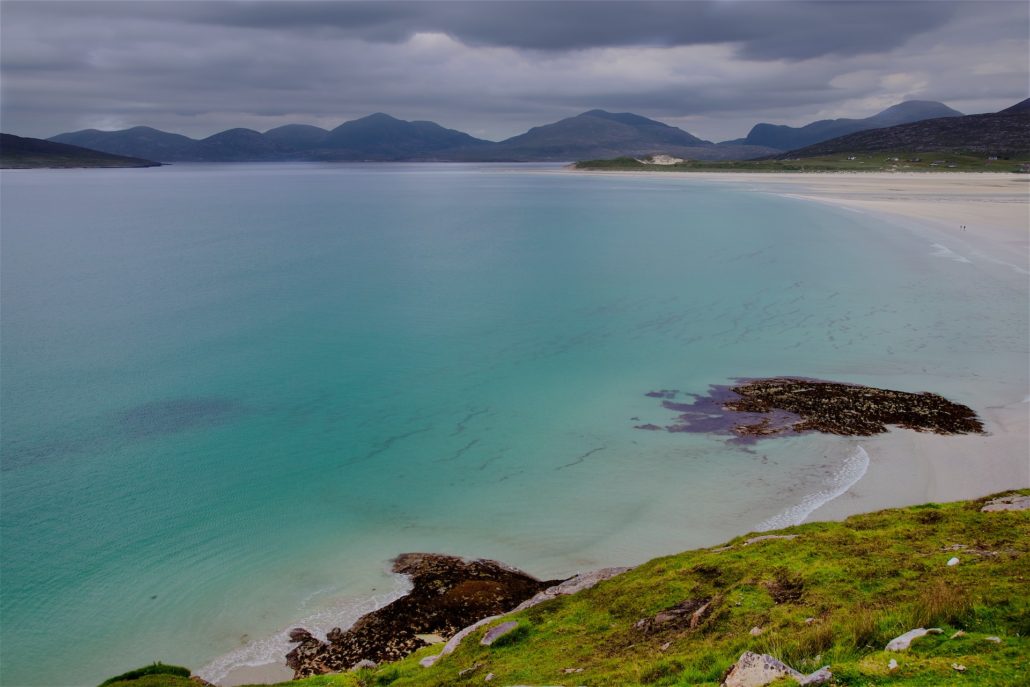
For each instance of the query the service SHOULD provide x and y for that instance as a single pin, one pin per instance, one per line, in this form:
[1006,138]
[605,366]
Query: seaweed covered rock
[448,593]
[788,405]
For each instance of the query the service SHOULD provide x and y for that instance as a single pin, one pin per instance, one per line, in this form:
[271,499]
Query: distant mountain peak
[790,137]
[625,118]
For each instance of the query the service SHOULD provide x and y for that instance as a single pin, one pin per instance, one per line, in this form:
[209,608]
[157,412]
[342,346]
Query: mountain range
[593,134]
[379,137]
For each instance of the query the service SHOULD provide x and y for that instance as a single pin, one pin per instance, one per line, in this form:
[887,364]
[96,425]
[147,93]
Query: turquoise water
[231,393]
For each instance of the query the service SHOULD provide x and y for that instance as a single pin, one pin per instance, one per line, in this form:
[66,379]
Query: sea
[232,393]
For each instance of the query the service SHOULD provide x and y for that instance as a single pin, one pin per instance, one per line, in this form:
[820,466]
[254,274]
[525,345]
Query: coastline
[986,215]
[902,467]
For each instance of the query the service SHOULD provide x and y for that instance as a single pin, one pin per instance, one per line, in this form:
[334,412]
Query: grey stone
[363,663]
[903,642]
[819,677]
[468,671]
[495,633]
[1008,502]
[757,670]
[571,586]
[454,641]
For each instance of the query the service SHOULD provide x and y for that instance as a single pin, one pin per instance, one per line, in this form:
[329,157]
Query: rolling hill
[1004,132]
[785,137]
[17,152]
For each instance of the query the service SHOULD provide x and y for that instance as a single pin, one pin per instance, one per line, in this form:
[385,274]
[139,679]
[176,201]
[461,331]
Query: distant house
[851,157]
[992,157]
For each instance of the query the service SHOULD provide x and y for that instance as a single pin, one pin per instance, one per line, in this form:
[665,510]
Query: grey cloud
[763,29]
[716,67]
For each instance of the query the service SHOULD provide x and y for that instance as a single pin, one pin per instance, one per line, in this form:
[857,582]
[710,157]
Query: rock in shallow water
[759,408]
[448,593]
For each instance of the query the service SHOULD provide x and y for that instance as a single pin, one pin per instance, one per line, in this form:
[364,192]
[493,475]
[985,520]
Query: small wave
[852,469]
[943,251]
[273,649]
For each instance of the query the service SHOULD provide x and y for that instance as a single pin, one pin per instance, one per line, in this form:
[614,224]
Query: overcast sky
[494,69]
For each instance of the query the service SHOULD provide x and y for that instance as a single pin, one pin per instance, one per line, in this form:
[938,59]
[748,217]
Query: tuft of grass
[940,603]
[156,668]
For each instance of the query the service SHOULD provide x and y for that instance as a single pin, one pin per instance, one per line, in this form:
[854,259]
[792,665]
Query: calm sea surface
[230,393]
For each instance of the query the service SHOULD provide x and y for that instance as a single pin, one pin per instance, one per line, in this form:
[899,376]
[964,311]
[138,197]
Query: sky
[496,68]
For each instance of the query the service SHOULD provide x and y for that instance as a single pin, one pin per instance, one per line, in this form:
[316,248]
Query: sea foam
[850,471]
[942,251]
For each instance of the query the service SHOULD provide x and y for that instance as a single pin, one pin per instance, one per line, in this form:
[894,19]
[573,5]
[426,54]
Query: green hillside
[887,161]
[832,594]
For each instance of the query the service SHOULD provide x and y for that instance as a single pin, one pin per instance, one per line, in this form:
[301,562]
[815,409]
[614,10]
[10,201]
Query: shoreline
[902,467]
[988,216]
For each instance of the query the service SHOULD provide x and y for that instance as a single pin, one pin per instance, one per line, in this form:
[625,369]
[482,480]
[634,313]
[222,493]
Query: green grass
[863,581]
[898,161]
[155,675]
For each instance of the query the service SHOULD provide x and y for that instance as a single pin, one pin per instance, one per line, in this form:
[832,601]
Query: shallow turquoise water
[231,393]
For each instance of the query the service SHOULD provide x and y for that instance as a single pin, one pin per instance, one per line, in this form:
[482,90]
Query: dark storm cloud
[762,29]
[496,68]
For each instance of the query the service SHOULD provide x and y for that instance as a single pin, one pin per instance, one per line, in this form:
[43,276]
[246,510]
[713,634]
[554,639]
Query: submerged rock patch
[758,408]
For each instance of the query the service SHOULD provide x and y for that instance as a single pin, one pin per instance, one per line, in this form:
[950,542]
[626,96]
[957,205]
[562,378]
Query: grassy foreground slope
[834,594]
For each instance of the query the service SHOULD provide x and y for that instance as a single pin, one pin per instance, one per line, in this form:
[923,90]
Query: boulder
[756,670]
[903,642]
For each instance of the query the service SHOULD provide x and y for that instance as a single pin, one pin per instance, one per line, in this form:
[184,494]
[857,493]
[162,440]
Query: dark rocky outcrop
[786,405]
[448,594]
